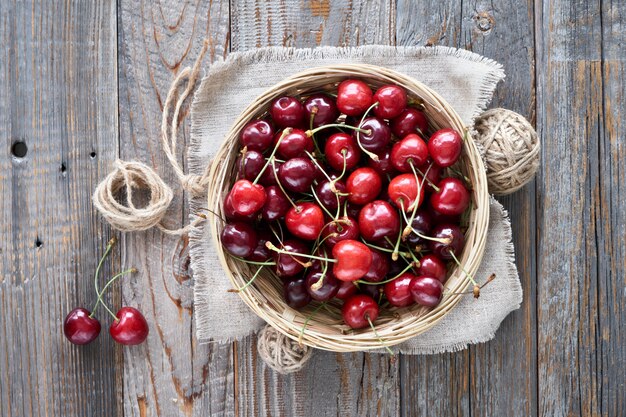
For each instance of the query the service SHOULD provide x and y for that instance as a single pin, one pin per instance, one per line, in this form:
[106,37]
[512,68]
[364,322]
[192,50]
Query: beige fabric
[464,79]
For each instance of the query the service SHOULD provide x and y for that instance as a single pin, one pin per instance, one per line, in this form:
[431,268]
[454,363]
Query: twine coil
[281,353]
[511,149]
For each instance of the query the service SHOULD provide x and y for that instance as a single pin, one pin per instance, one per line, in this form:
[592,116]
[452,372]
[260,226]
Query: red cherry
[397,291]
[250,165]
[342,146]
[296,294]
[247,198]
[261,253]
[346,290]
[305,221]
[270,174]
[276,204]
[79,328]
[378,136]
[353,210]
[378,220]
[293,144]
[287,112]
[328,197]
[375,291]
[328,289]
[353,260]
[445,147]
[447,231]
[326,111]
[288,265]
[231,214]
[130,328]
[426,291]
[358,309]
[363,185]
[422,223]
[411,149]
[403,189]
[343,228]
[452,198]
[383,165]
[379,267]
[297,174]
[432,266]
[257,135]
[391,101]
[354,97]
[433,174]
[409,121]
[239,239]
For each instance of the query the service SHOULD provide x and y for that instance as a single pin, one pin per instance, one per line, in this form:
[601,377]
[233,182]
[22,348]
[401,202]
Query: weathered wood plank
[59,96]
[170,374]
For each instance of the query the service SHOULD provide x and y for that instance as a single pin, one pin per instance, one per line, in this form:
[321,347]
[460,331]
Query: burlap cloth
[466,80]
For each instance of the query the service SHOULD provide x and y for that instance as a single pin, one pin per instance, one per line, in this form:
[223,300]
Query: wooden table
[82,83]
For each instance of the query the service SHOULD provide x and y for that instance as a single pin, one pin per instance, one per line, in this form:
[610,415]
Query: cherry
[270,175]
[375,291]
[261,253]
[276,205]
[257,135]
[426,291]
[290,265]
[422,223]
[239,239]
[324,107]
[287,112]
[363,185]
[383,164]
[79,328]
[379,267]
[432,266]
[353,210]
[409,121]
[447,231]
[246,197]
[396,267]
[130,328]
[354,97]
[230,213]
[410,150]
[391,101]
[328,198]
[305,221]
[341,229]
[378,136]
[324,292]
[452,198]
[439,218]
[403,189]
[297,174]
[445,146]
[353,260]
[294,143]
[378,220]
[397,291]
[250,164]
[432,172]
[296,294]
[342,147]
[346,290]
[359,310]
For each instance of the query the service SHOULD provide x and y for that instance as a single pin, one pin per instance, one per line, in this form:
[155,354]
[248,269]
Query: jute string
[280,352]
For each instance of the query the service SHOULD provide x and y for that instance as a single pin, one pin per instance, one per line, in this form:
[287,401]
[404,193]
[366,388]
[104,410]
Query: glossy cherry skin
[250,164]
[276,204]
[296,294]
[378,220]
[231,214]
[326,111]
[305,221]
[391,101]
[363,185]
[261,253]
[432,266]
[297,174]
[397,291]
[444,147]
[383,164]
[257,135]
[343,228]
[329,288]
[426,291]
[410,150]
[354,97]
[358,309]
[403,190]
[287,112]
[290,265]
[379,267]
[328,197]
[422,223]
[452,199]
[247,198]
[293,144]
[342,146]
[409,121]
[378,136]
[346,290]
[79,328]
[271,173]
[239,239]
[130,328]
[443,250]
[353,260]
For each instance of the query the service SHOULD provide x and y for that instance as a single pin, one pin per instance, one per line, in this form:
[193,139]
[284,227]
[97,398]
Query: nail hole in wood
[63,168]
[19,149]
[93,154]
[38,243]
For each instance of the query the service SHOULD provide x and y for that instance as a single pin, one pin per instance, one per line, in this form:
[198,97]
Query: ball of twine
[511,149]
[281,353]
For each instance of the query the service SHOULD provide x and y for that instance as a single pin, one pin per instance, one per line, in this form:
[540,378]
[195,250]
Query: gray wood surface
[83,83]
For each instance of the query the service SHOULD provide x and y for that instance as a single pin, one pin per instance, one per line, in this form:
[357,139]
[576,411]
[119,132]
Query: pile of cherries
[347,198]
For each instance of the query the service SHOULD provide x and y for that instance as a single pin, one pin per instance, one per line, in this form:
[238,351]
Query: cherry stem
[409,266]
[110,245]
[320,282]
[310,133]
[426,178]
[106,286]
[271,246]
[285,133]
[268,263]
[306,322]
[283,190]
[380,339]
[467,274]
[380,248]
[247,284]
[396,248]
[358,134]
[320,203]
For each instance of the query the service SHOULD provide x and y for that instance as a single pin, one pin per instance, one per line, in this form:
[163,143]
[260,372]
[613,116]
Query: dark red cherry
[403,190]
[391,101]
[290,265]
[250,165]
[422,223]
[247,198]
[378,220]
[432,172]
[353,260]
[294,143]
[439,218]
[353,210]
[287,112]
[328,197]
[305,221]
[358,309]
[363,185]
[409,121]
[377,292]
[346,290]
[276,204]
[379,267]
[257,135]
[378,136]
[326,111]
[432,266]
[296,294]
[328,289]
[444,147]
[239,239]
[130,328]
[410,150]
[231,214]
[452,198]
[395,267]
[271,173]
[79,328]
[261,253]
[426,291]
[447,231]
[354,97]
[341,229]
[383,165]
[397,291]
[342,146]
[297,174]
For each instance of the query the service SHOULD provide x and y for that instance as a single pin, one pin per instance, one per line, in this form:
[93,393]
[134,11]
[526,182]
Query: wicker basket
[326,330]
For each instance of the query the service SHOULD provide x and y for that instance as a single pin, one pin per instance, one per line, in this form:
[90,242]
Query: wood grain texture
[59,96]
